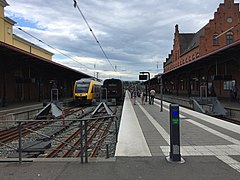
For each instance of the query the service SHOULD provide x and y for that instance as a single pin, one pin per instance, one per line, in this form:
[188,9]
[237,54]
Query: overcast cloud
[137,35]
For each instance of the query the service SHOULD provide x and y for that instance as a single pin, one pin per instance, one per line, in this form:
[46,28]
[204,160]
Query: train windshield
[112,88]
[112,85]
[82,87]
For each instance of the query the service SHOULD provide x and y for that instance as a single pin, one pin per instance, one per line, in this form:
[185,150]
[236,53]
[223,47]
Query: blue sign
[175,113]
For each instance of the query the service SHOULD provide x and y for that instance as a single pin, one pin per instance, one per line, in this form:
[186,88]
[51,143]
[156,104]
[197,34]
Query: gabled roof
[169,59]
[221,54]
[189,41]
[185,40]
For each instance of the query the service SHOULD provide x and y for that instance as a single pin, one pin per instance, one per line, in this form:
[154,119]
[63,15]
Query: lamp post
[147,89]
[161,90]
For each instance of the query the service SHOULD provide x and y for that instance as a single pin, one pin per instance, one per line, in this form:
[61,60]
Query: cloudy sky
[136,35]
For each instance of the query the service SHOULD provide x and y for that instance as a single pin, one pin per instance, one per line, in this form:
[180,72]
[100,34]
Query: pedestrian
[235,91]
[143,95]
[131,94]
[134,97]
[152,96]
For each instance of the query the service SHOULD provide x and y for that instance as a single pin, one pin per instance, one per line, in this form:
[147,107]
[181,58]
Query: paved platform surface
[122,168]
[209,146]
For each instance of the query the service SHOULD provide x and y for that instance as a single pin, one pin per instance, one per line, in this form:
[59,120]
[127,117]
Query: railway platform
[18,107]
[209,146]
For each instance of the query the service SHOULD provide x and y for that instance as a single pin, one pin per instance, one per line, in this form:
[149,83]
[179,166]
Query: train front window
[112,85]
[82,87]
[112,88]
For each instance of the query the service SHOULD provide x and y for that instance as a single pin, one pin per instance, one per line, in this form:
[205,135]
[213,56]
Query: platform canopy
[12,57]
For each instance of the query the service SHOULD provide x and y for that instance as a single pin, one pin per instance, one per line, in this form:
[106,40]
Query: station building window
[215,40]
[182,85]
[229,37]
[9,30]
[228,85]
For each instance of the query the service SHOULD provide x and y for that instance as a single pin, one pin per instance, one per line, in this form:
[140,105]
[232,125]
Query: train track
[9,136]
[70,147]
[64,138]
[97,131]
[12,134]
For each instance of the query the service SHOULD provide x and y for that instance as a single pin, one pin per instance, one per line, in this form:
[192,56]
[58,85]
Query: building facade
[7,36]
[206,62]
[27,72]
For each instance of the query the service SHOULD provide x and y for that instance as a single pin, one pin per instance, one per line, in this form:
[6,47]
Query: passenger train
[85,90]
[114,89]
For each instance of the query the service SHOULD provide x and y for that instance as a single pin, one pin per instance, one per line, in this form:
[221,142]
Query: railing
[231,111]
[27,114]
[82,125]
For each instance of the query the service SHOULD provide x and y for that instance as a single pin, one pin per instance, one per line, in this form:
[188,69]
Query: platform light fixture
[147,89]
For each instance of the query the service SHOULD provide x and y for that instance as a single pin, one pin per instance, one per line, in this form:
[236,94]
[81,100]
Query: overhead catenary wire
[94,36]
[227,30]
[52,47]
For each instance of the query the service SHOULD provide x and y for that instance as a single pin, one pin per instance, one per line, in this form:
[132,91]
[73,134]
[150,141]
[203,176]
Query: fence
[82,125]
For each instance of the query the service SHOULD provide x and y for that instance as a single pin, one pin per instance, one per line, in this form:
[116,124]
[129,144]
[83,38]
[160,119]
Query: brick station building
[206,62]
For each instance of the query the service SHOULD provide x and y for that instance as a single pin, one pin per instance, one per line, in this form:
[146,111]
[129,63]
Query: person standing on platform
[152,96]
[143,95]
[235,91]
[132,94]
[134,97]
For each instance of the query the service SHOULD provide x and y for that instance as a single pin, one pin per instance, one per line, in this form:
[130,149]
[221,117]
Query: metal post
[146,93]
[86,146]
[161,84]
[54,94]
[81,140]
[175,155]
[20,142]
[107,151]
[106,95]
[4,85]
[149,88]
[39,89]
[116,129]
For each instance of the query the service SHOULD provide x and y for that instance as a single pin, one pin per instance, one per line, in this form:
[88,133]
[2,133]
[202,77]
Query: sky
[136,35]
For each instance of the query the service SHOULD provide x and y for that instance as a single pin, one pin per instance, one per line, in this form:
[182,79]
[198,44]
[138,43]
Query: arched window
[215,39]
[229,37]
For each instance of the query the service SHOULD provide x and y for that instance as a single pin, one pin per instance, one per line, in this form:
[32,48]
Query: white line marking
[222,152]
[216,133]
[215,121]
[230,161]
